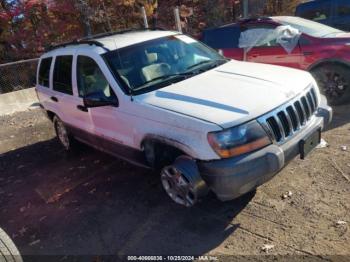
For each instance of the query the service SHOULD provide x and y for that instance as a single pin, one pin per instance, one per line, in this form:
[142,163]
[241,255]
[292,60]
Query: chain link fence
[17,75]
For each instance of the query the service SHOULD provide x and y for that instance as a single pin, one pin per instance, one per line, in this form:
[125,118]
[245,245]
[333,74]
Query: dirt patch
[89,203]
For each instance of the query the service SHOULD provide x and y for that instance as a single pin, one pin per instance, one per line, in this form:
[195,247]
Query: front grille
[288,119]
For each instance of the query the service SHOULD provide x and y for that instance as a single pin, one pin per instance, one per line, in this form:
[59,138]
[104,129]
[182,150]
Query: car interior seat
[155,70]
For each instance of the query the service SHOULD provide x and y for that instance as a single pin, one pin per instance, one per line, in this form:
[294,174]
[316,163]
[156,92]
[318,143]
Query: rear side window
[44,72]
[343,8]
[222,37]
[316,11]
[62,75]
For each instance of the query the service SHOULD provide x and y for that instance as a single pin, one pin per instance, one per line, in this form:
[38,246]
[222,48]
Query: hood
[231,94]
[343,35]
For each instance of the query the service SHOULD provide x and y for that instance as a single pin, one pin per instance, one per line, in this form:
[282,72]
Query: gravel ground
[89,203]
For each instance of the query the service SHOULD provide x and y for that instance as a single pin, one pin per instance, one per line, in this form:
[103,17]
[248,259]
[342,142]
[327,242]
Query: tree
[28,26]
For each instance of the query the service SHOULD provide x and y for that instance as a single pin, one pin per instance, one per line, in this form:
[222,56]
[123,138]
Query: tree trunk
[84,10]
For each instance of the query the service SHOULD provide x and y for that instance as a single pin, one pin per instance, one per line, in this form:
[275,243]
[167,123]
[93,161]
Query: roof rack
[76,42]
[257,18]
[89,40]
[120,32]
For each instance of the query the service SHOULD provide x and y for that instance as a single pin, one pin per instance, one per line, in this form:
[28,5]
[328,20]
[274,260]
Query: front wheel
[182,182]
[334,82]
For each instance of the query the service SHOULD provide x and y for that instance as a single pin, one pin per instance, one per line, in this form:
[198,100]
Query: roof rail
[89,40]
[96,36]
[76,42]
[257,18]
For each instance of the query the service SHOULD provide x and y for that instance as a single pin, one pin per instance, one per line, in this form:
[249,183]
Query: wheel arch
[154,147]
[328,62]
[50,114]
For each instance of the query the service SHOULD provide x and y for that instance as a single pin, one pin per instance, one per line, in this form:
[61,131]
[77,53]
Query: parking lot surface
[89,203]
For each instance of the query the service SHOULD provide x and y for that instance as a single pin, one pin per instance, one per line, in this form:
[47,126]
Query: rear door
[62,87]
[65,96]
[341,19]
[43,86]
[273,53]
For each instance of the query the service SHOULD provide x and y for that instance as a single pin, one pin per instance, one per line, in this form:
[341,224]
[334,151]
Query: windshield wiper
[215,62]
[166,77]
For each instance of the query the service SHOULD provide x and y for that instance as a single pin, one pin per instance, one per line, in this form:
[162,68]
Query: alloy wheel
[177,186]
[62,134]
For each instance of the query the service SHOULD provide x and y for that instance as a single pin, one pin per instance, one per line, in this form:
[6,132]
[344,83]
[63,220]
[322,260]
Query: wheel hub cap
[62,134]
[177,186]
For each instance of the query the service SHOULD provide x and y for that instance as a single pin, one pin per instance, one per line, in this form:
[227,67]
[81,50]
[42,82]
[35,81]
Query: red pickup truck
[322,50]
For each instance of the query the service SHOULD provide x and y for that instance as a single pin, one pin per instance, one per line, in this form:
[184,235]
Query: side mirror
[99,99]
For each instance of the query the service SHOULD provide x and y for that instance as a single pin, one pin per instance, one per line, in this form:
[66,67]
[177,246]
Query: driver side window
[91,79]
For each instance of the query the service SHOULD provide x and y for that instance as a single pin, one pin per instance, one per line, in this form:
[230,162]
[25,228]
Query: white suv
[163,100]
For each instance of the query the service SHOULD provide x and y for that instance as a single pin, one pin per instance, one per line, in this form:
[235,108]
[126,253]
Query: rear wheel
[8,250]
[66,140]
[334,82]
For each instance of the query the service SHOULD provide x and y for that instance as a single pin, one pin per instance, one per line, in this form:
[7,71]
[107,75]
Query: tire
[66,140]
[334,82]
[182,182]
[8,250]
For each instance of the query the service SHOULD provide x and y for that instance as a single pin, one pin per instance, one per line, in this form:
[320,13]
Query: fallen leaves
[23,230]
[35,242]
[92,191]
[42,218]
[287,194]
[341,223]
[322,144]
[267,247]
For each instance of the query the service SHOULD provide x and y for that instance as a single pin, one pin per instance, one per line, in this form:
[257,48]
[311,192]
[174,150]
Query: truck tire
[334,82]
[66,140]
[8,250]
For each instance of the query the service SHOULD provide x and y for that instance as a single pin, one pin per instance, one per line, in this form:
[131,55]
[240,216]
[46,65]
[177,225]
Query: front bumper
[233,177]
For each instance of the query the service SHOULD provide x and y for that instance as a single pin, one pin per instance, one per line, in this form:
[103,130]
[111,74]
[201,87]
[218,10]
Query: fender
[169,142]
[328,61]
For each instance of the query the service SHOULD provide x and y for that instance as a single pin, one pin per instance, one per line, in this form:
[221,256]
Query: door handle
[82,108]
[53,98]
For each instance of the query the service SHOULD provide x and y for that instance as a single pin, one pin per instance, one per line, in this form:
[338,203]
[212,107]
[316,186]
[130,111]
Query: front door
[275,55]
[271,52]
[111,128]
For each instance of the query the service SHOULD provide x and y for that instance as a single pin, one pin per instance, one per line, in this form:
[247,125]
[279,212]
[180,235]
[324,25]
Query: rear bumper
[231,178]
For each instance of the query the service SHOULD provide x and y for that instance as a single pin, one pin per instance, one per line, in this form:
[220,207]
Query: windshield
[309,27]
[154,64]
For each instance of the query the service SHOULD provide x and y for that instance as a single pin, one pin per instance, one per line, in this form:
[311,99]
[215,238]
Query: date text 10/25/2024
[172,258]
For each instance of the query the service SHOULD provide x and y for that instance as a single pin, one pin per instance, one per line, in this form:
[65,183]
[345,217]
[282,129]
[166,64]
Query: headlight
[239,140]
